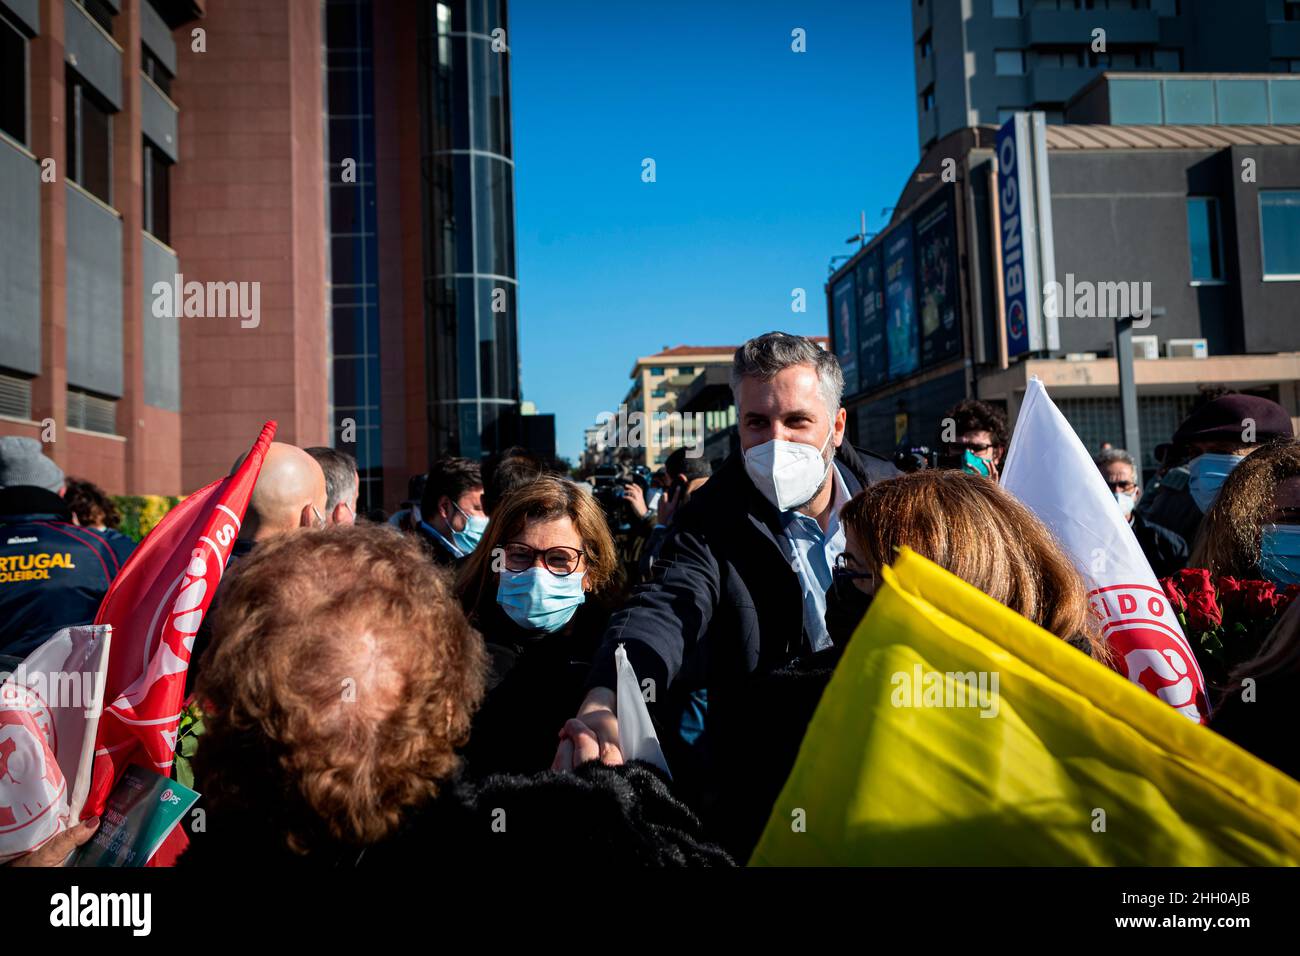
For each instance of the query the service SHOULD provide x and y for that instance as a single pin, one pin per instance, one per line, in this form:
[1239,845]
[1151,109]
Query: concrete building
[657,380]
[1201,224]
[303,155]
[90,131]
[978,61]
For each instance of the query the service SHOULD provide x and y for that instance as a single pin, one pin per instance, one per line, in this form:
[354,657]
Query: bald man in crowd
[289,496]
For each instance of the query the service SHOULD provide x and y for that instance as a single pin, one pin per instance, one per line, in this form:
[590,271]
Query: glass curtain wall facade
[470,288]
[353,245]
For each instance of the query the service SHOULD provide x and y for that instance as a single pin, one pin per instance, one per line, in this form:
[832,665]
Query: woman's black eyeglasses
[560,560]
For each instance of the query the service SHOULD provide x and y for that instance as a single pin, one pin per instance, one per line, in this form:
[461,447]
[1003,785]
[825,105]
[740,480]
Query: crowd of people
[443,680]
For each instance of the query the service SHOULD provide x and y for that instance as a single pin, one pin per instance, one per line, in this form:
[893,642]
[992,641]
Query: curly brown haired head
[341,677]
[1228,541]
[90,503]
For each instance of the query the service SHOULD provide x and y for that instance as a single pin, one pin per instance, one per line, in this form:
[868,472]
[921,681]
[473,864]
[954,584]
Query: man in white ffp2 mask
[739,590]
[1165,550]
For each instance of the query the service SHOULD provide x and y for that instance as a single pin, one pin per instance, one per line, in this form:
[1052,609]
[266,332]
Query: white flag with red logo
[155,606]
[49,710]
[1049,470]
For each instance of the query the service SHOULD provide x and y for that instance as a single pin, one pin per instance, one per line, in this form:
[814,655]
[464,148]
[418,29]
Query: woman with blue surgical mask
[1253,529]
[536,588]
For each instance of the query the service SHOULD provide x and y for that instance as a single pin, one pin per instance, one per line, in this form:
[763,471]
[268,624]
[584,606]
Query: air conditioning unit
[1080,356]
[1187,348]
[1146,347]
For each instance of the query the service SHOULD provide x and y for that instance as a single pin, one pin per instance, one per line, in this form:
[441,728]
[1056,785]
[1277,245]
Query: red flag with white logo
[1050,471]
[155,606]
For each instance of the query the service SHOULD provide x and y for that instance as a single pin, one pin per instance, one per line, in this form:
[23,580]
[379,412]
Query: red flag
[155,606]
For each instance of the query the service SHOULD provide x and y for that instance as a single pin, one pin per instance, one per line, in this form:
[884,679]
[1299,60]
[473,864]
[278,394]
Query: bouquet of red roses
[1225,620]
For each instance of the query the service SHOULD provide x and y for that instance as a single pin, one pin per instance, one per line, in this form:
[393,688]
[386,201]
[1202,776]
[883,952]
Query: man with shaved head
[290,494]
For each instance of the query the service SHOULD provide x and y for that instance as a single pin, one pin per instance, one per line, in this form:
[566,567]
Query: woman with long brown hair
[973,528]
[1250,532]
[535,588]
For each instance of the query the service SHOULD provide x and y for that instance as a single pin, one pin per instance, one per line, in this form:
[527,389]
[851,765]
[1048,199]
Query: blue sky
[763,156]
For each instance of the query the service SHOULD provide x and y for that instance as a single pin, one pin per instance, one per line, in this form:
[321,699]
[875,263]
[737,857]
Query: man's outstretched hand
[592,735]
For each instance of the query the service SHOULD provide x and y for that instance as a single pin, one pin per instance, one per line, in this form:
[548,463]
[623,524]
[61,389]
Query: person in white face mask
[739,589]
[1165,550]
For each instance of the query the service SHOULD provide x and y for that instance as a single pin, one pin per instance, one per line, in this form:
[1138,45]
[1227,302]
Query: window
[154,69]
[13,82]
[89,127]
[1168,61]
[1068,59]
[659,393]
[1203,239]
[1241,102]
[1009,62]
[157,205]
[656,370]
[1006,8]
[925,46]
[927,99]
[100,12]
[686,370]
[1165,8]
[1279,224]
[15,396]
[91,413]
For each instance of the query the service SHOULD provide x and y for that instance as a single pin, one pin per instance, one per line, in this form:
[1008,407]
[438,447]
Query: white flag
[1050,471]
[49,711]
[636,734]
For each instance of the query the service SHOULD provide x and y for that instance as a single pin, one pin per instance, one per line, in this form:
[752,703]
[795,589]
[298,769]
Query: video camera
[908,458]
[609,487]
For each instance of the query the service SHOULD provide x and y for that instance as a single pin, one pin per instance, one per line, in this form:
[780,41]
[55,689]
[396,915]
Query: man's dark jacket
[723,581]
[725,604]
[1165,551]
[53,573]
[435,548]
[1172,506]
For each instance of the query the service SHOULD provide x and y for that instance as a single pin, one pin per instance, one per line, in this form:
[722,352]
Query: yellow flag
[956,732]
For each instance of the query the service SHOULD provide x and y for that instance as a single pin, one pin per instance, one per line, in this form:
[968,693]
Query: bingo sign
[1017,212]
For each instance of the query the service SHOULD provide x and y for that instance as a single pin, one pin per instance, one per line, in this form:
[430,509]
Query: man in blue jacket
[739,589]
[53,574]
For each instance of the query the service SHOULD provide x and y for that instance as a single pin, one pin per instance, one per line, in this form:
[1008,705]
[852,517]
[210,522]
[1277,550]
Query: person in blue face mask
[1253,528]
[452,520]
[973,437]
[1209,444]
[536,589]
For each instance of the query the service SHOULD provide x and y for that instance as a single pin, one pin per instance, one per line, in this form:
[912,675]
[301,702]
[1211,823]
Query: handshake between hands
[592,735]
